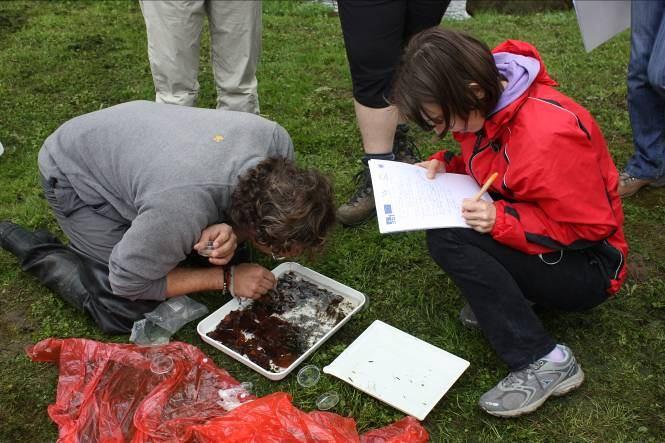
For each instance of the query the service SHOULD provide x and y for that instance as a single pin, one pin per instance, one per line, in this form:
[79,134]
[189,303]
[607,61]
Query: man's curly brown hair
[283,205]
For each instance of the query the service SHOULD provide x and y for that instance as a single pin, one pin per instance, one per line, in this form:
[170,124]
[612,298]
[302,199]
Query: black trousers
[498,281]
[375,31]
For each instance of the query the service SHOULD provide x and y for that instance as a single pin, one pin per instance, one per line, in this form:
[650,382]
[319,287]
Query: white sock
[557,355]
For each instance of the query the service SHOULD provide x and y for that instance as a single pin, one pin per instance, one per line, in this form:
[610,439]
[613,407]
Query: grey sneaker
[522,392]
[629,185]
[467,317]
[404,147]
[360,206]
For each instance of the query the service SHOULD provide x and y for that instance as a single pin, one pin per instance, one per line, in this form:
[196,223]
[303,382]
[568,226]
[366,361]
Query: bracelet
[230,286]
[225,284]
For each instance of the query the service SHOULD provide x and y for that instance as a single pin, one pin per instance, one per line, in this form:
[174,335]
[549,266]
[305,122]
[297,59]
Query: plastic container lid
[161,364]
[308,376]
[327,401]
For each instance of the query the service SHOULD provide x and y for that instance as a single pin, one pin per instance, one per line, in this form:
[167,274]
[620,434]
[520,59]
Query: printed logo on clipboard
[390,217]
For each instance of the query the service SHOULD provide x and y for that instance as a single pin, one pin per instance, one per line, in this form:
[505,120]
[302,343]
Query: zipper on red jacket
[477,149]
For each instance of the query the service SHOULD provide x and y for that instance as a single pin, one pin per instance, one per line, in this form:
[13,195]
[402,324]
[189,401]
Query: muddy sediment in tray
[279,327]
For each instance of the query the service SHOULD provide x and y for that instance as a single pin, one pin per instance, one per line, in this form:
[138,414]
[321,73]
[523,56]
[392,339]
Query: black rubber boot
[78,280]
[16,239]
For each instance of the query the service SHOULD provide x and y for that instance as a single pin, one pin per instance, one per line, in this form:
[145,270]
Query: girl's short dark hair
[439,67]
[283,205]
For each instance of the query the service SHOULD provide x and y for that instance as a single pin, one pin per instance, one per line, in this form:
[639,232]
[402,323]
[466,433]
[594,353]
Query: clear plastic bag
[146,333]
[174,313]
[234,396]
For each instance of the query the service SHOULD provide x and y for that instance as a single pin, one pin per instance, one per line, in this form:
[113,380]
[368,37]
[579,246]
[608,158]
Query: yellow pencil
[486,186]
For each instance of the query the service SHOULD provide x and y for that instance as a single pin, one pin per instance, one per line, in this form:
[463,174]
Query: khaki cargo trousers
[174,41]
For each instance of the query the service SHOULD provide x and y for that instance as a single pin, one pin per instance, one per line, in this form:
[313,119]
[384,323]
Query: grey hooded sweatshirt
[166,172]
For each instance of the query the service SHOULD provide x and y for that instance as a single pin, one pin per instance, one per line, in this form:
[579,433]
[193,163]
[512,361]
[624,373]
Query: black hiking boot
[404,147]
[360,206]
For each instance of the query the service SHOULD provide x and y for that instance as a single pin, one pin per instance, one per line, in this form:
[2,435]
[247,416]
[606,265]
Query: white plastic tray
[399,369]
[210,322]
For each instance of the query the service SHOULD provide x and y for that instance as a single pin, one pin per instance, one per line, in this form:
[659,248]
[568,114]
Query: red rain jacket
[557,181]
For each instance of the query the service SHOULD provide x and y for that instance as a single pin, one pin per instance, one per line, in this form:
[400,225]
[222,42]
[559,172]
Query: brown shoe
[629,185]
[360,206]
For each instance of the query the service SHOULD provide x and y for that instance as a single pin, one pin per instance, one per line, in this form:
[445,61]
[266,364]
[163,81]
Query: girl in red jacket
[553,235]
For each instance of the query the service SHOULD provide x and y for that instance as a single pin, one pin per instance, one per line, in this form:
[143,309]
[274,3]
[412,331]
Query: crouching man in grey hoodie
[140,186]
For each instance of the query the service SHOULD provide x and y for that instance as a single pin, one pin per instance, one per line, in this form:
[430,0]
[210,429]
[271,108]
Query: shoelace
[364,182]
[524,374]
[626,176]
[406,146]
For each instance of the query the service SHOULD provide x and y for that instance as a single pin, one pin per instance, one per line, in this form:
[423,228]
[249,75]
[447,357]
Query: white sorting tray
[210,322]
[399,369]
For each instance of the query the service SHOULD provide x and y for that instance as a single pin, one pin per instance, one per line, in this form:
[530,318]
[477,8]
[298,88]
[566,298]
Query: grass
[62,59]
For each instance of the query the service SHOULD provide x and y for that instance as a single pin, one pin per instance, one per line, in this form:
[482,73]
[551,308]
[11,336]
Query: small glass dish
[308,376]
[161,364]
[327,401]
[205,252]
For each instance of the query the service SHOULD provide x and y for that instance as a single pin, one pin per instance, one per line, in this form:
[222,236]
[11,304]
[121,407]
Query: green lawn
[62,59]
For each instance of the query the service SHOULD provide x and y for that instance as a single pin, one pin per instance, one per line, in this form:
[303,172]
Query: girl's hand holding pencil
[479,214]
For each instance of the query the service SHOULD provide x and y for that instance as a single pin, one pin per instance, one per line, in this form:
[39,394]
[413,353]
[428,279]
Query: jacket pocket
[67,200]
[611,259]
[107,210]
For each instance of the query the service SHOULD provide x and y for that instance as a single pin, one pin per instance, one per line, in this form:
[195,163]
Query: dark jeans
[646,89]
[375,31]
[498,281]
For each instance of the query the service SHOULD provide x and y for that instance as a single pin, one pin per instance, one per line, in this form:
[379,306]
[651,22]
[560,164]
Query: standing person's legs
[646,97]
[235,33]
[174,37]
[423,14]
[374,34]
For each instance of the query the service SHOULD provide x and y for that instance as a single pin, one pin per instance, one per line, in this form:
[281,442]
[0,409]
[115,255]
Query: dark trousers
[375,31]
[498,282]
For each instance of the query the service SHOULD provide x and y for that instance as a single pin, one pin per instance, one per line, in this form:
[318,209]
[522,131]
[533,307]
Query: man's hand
[433,167]
[480,215]
[252,281]
[224,243]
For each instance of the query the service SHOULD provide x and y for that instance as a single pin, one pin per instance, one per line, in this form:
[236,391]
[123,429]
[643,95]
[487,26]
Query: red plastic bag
[274,419]
[108,393]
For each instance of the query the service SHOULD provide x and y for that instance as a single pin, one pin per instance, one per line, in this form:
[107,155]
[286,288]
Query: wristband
[225,285]
[230,285]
